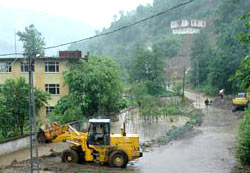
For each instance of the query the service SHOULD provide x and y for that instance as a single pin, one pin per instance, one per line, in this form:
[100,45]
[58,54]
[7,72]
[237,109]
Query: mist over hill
[55,29]
[155,32]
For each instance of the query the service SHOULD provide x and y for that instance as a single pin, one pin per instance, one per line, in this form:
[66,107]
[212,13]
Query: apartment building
[47,75]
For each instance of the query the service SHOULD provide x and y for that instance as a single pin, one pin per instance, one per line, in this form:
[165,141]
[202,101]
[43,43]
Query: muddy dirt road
[207,148]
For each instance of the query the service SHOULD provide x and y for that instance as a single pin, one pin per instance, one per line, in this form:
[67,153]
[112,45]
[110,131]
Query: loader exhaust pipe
[123,130]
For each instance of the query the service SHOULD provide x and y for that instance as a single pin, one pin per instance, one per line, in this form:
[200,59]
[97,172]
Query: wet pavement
[208,148]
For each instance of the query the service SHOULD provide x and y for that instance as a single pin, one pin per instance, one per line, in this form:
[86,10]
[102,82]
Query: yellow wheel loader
[97,145]
[240,102]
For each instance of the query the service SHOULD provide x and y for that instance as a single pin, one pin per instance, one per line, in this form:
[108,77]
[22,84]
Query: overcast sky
[59,21]
[96,13]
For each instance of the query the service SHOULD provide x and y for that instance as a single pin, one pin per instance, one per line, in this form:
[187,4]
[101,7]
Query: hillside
[123,44]
[214,55]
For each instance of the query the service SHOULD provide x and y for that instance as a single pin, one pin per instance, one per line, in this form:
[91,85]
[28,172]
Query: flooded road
[148,128]
[207,148]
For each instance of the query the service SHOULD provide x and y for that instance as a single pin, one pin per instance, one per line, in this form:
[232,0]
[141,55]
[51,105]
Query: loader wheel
[118,159]
[70,156]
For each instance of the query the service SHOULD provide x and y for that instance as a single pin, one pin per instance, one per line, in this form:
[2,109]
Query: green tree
[229,50]
[220,54]
[242,75]
[148,68]
[167,46]
[201,54]
[14,100]
[95,88]
[243,145]
[32,39]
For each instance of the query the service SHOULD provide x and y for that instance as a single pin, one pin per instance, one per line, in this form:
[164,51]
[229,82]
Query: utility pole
[197,84]
[30,114]
[32,118]
[183,87]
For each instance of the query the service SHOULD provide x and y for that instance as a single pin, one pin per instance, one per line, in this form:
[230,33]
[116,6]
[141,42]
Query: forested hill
[216,53]
[155,32]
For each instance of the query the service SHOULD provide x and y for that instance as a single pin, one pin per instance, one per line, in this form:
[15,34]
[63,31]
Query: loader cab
[99,132]
[242,95]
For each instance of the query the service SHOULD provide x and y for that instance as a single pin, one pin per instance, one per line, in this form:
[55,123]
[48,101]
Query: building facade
[47,75]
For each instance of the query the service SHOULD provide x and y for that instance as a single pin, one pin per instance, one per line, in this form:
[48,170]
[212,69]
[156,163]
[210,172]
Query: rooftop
[62,55]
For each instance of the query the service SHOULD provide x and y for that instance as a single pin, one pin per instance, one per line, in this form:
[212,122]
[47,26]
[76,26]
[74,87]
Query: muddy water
[148,128]
[206,149]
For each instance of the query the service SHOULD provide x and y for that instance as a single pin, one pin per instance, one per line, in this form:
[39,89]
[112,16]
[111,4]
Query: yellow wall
[40,79]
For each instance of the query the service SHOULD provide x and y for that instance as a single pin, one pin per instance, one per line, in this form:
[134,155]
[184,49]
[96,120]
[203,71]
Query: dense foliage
[156,32]
[242,75]
[14,101]
[243,146]
[32,39]
[95,89]
[148,69]
[220,54]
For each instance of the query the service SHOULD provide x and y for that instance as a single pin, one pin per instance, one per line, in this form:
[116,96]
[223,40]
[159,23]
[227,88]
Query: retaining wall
[14,144]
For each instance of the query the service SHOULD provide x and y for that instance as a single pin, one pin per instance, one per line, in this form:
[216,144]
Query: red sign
[70,54]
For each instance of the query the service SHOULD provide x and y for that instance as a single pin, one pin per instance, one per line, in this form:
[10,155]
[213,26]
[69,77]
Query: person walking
[206,102]
[221,93]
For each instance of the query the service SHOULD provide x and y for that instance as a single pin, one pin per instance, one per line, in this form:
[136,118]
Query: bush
[196,118]
[243,146]
[172,110]
[208,89]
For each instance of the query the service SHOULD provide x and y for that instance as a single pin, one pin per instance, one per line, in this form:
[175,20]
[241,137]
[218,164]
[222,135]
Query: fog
[55,29]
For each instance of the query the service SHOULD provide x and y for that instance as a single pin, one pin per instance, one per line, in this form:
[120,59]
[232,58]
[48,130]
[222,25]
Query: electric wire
[123,27]
[115,30]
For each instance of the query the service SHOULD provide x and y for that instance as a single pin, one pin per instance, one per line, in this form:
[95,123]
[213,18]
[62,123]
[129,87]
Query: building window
[52,88]
[5,67]
[49,109]
[25,66]
[51,66]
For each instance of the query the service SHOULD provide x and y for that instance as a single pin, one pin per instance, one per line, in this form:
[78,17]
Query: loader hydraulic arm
[72,136]
[55,132]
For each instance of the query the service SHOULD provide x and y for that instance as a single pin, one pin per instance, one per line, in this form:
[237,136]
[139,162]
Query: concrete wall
[14,145]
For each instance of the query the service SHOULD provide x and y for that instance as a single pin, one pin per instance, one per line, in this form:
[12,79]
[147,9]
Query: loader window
[242,95]
[98,134]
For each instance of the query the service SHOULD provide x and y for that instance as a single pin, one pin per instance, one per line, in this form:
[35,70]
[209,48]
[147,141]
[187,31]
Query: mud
[208,148]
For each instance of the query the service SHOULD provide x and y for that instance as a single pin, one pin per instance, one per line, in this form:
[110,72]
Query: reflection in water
[148,127]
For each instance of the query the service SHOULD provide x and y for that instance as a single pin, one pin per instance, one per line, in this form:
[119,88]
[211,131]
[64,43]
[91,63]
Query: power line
[8,54]
[123,27]
[116,30]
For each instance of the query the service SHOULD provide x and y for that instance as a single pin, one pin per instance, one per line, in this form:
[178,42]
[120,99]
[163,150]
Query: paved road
[206,149]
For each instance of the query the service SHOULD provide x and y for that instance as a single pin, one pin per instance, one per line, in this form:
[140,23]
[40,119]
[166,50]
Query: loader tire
[70,156]
[118,159]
